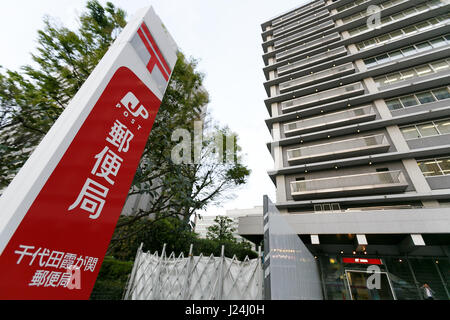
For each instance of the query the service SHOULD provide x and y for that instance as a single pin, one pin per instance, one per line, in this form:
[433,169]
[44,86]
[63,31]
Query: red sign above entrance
[362,261]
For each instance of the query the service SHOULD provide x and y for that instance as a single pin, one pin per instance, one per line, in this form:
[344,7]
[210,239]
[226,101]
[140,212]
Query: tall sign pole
[58,215]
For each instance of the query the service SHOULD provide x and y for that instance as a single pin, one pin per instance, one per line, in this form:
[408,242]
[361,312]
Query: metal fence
[194,277]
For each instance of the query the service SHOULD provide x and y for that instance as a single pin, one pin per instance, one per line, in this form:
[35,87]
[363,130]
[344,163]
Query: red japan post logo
[156,57]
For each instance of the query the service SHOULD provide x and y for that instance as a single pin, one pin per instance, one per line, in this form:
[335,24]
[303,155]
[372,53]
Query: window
[427,129]
[439,66]
[408,51]
[382,58]
[423,70]
[423,46]
[370,62]
[394,104]
[397,16]
[429,168]
[442,93]
[435,167]
[434,21]
[396,54]
[418,98]
[409,11]
[425,97]
[384,38]
[445,166]
[327,208]
[336,207]
[410,133]
[407,74]
[393,77]
[443,126]
[439,42]
[409,101]
[396,34]
[422,25]
[409,29]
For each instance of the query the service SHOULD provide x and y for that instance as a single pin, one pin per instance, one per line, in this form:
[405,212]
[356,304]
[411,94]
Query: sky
[223,35]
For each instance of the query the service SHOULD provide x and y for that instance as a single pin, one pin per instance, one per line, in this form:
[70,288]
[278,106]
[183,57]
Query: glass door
[357,283]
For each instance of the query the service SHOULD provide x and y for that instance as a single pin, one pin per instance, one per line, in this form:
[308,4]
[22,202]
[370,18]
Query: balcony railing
[339,92]
[298,23]
[354,184]
[296,12]
[297,35]
[314,59]
[330,120]
[307,45]
[321,75]
[337,149]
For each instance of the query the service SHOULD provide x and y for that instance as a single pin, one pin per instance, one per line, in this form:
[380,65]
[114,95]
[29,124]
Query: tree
[32,100]
[222,229]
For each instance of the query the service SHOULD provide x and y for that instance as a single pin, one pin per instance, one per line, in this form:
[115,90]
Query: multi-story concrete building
[203,222]
[359,105]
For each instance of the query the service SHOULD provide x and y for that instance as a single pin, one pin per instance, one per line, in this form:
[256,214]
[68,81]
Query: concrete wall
[368,222]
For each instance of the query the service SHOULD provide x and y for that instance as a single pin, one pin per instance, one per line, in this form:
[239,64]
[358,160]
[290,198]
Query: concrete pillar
[271,61]
[278,156]
[281,188]
[352,50]
[345,35]
[274,108]
[276,131]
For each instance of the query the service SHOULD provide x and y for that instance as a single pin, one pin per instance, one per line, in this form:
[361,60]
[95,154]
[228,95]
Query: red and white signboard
[362,261]
[59,213]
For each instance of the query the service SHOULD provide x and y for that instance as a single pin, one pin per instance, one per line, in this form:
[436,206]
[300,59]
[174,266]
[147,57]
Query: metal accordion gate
[194,277]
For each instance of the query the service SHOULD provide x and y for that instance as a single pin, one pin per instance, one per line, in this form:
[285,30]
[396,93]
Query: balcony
[307,45]
[296,12]
[291,67]
[325,96]
[331,120]
[338,149]
[303,33]
[324,75]
[292,25]
[357,184]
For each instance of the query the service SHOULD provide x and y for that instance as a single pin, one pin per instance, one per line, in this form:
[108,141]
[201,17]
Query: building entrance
[357,281]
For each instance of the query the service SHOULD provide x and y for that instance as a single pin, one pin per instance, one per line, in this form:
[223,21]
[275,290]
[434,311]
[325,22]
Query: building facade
[202,222]
[359,105]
